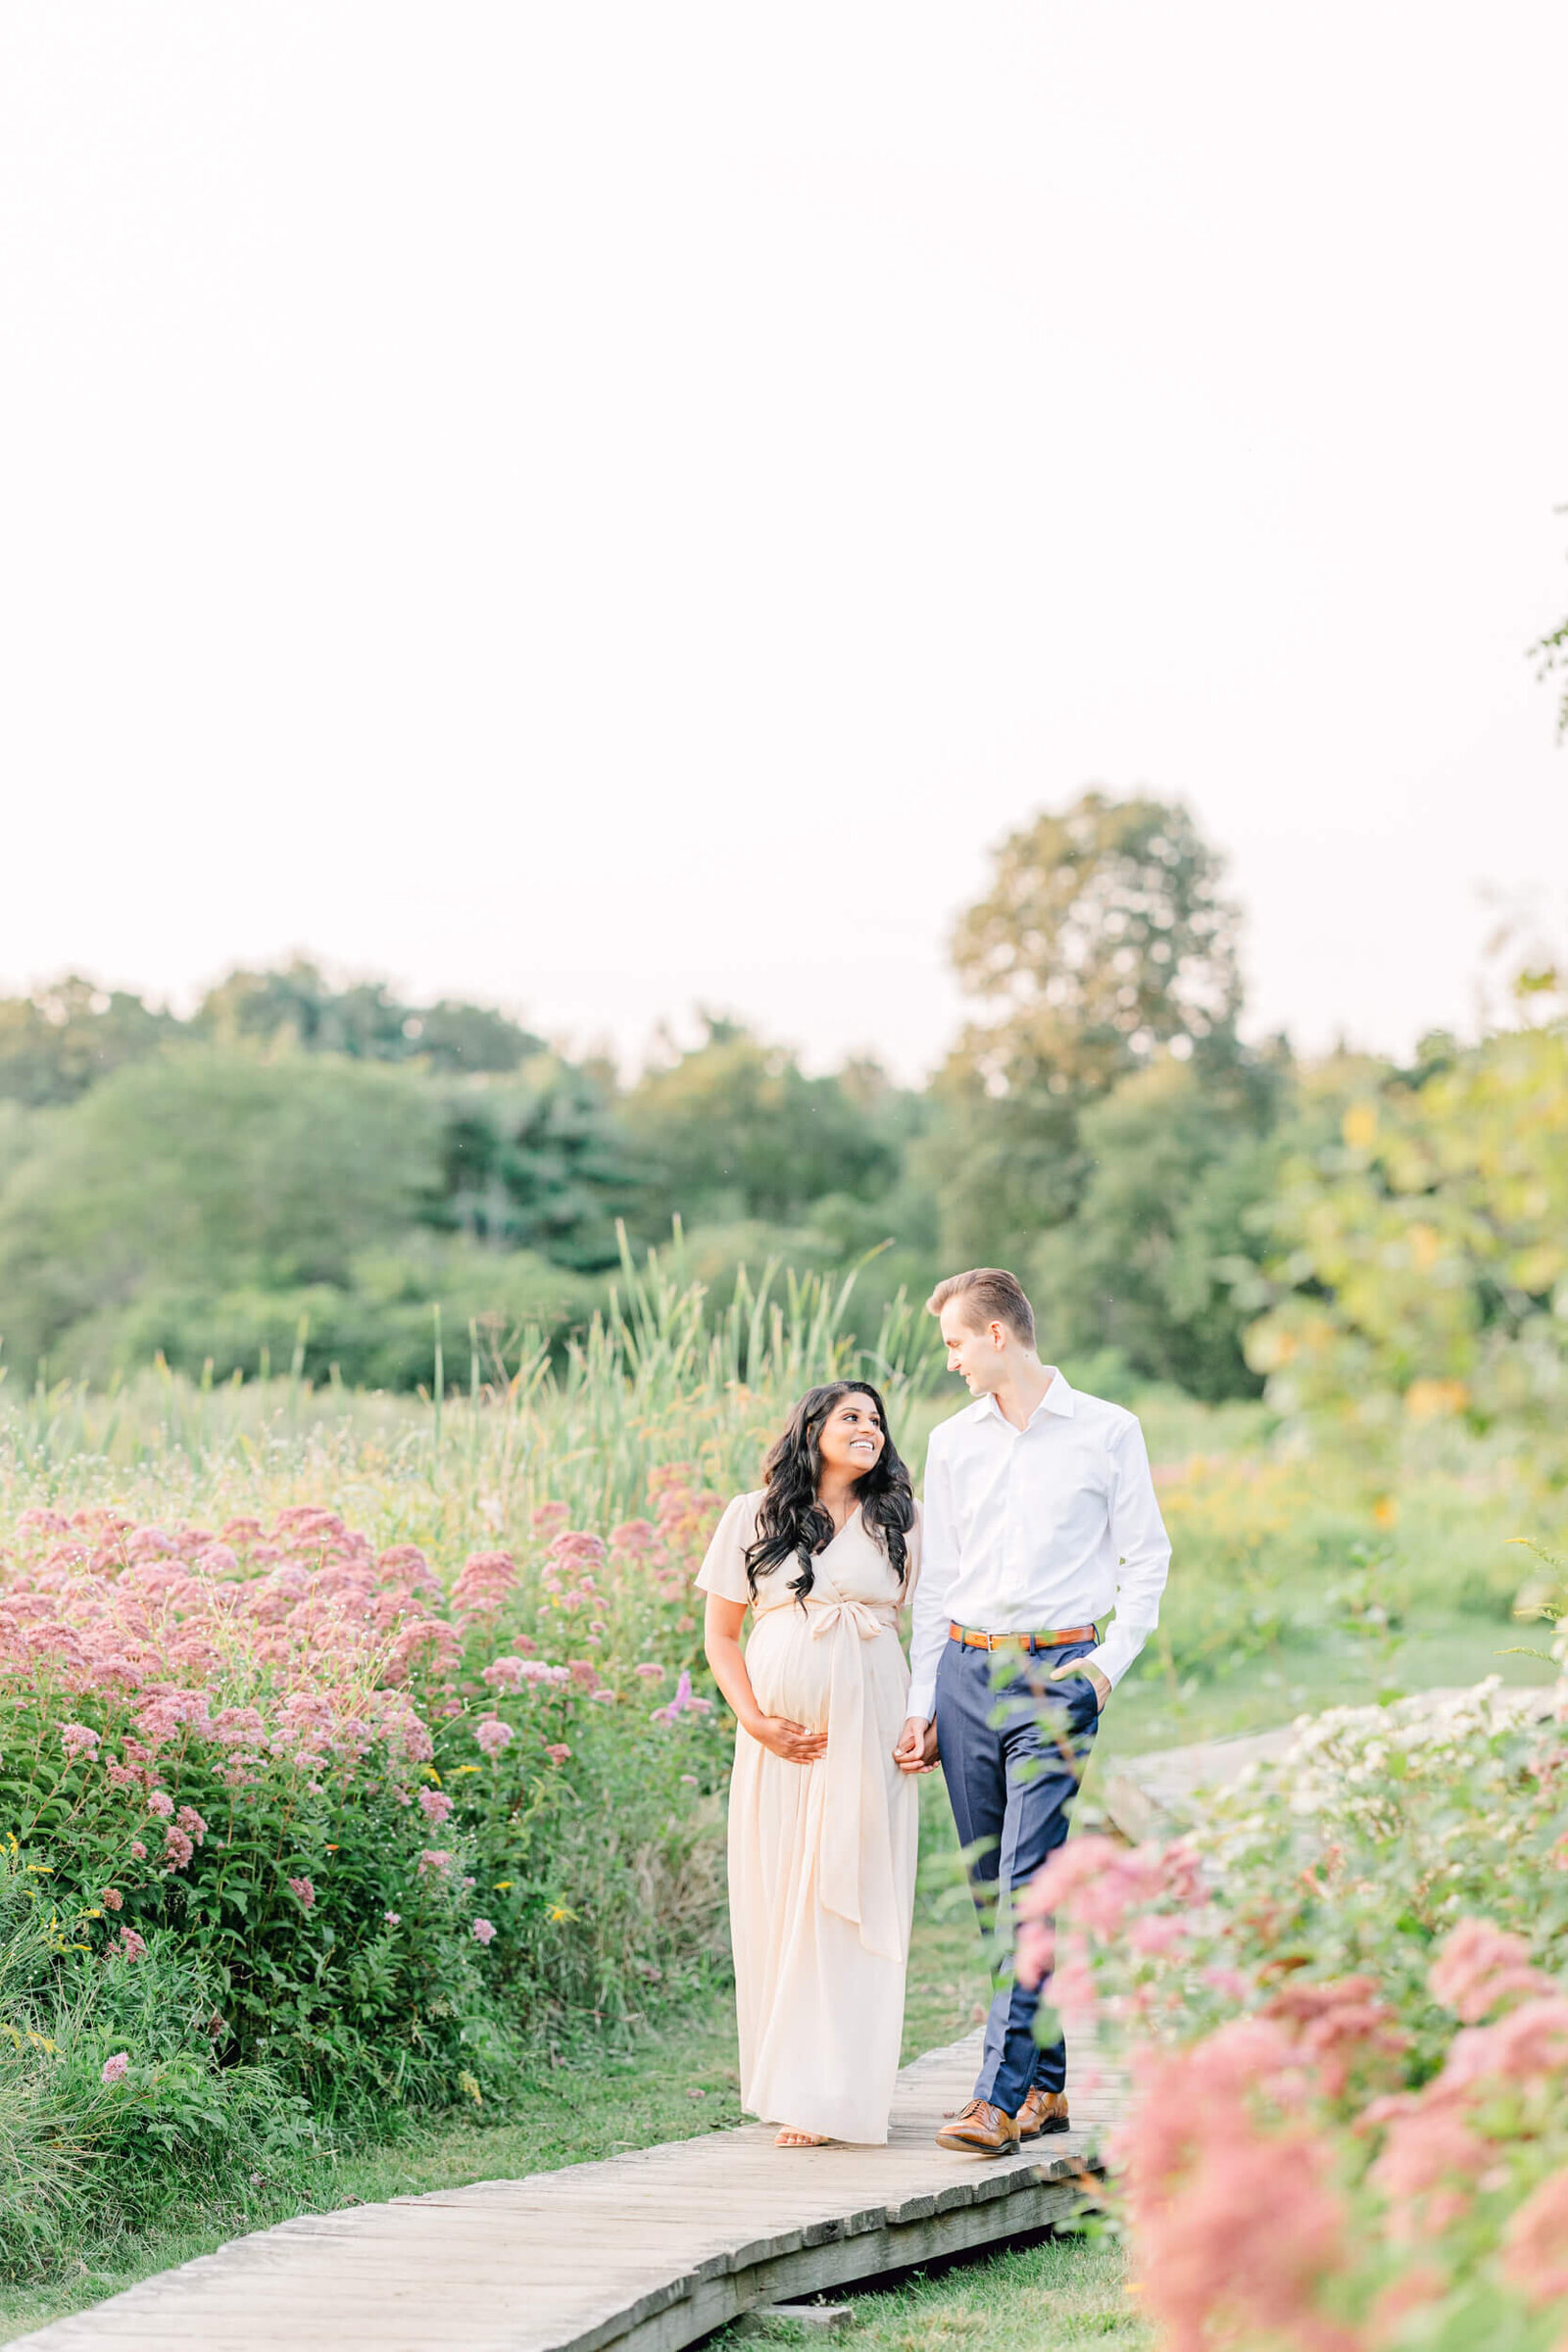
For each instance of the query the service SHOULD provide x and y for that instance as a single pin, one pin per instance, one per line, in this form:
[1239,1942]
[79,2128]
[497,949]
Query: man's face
[977,1356]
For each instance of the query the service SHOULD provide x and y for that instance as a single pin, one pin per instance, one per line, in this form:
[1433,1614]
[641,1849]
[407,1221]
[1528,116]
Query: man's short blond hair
[990,1295]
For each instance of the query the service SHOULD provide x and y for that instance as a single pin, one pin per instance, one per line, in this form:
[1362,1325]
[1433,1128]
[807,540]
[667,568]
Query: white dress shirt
[1036,1529]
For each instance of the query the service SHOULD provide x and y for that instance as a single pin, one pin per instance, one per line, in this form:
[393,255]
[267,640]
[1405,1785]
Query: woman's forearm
[728,1663]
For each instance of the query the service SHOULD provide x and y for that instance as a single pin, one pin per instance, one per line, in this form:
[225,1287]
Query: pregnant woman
[822,1820]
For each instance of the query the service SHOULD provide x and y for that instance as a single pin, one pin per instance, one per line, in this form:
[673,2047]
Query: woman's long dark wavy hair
[791,1524]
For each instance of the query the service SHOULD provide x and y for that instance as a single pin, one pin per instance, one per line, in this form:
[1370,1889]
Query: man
[1040,1516]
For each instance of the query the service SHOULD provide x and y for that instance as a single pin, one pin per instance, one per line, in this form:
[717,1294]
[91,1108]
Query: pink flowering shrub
[1343,2007]
[297,1755]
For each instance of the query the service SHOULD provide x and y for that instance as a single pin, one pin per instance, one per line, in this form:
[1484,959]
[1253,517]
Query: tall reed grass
[655,1379]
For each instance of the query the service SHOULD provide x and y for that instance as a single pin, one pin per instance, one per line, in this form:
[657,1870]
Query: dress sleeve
[723,1570]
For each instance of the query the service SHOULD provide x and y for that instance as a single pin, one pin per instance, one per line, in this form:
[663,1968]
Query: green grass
[1055,2297]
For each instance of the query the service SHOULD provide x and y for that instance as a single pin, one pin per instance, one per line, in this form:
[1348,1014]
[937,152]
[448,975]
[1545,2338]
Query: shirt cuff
[921,1701]
[1118,1650]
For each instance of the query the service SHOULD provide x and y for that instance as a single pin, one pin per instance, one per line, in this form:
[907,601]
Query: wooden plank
[845,2263]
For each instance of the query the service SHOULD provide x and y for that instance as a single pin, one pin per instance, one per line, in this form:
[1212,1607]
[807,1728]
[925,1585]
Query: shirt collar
[1057,1398]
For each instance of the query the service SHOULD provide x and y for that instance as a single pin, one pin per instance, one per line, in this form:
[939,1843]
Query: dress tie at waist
[868,1617]
[855,1856]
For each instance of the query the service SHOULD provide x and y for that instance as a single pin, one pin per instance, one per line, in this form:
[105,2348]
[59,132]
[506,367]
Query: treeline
[300,1171]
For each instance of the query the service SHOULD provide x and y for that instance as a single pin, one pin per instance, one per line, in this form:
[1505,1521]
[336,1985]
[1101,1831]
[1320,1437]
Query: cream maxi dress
[821,1856]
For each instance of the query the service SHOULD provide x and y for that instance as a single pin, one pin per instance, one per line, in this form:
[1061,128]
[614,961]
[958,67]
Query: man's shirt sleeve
[939,1565]
[1137,1537]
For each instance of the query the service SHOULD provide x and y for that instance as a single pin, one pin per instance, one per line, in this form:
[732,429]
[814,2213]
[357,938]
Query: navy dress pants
[1013,1754]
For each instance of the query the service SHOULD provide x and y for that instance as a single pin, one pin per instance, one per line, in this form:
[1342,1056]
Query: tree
[539,1162]
[1553,653]
[1176,1166]
[735,1129]
[210,1168]
[1104,937]
[365,1021]
[1104,940]
[58,1042]
[1419,1265]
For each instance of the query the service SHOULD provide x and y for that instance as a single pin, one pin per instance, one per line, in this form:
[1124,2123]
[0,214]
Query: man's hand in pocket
[1082,1666]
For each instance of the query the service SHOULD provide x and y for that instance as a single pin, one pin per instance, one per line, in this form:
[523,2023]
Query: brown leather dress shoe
[979,2129]
[1043,2111]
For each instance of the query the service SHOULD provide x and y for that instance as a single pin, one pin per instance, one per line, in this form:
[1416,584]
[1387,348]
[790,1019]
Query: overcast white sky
[606,507]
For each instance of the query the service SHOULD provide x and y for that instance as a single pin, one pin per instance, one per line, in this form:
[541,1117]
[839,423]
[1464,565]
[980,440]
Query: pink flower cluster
[1535,2243]
[1480,1967]
[334,1654]
[684,1703]
[1233,2160]
[686,1513]
[1438,2144]
[1237,2222]
[484,1583]
[109,1607]
[1107,1889]
[511,1675]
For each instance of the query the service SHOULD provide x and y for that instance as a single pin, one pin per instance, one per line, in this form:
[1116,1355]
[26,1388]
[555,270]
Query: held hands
[1099,1680]
[791,1740]
[916,1749]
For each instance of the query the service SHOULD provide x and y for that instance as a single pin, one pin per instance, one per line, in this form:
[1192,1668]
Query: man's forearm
[929,1632]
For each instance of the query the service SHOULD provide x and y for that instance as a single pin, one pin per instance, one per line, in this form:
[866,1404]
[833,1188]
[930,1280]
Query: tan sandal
[799,2139]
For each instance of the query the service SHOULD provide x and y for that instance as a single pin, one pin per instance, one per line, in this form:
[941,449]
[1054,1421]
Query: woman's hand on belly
[791,1740]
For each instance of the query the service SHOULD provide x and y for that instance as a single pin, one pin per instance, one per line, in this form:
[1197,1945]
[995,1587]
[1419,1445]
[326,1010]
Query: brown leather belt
[1057,1640]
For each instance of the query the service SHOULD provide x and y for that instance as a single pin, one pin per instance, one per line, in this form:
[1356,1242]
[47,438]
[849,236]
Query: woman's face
[852,1437]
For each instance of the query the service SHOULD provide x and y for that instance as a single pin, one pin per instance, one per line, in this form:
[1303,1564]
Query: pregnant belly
[791,1672]
[791,1669]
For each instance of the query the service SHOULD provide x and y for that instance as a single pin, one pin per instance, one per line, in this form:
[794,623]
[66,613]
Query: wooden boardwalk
[645,2252]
